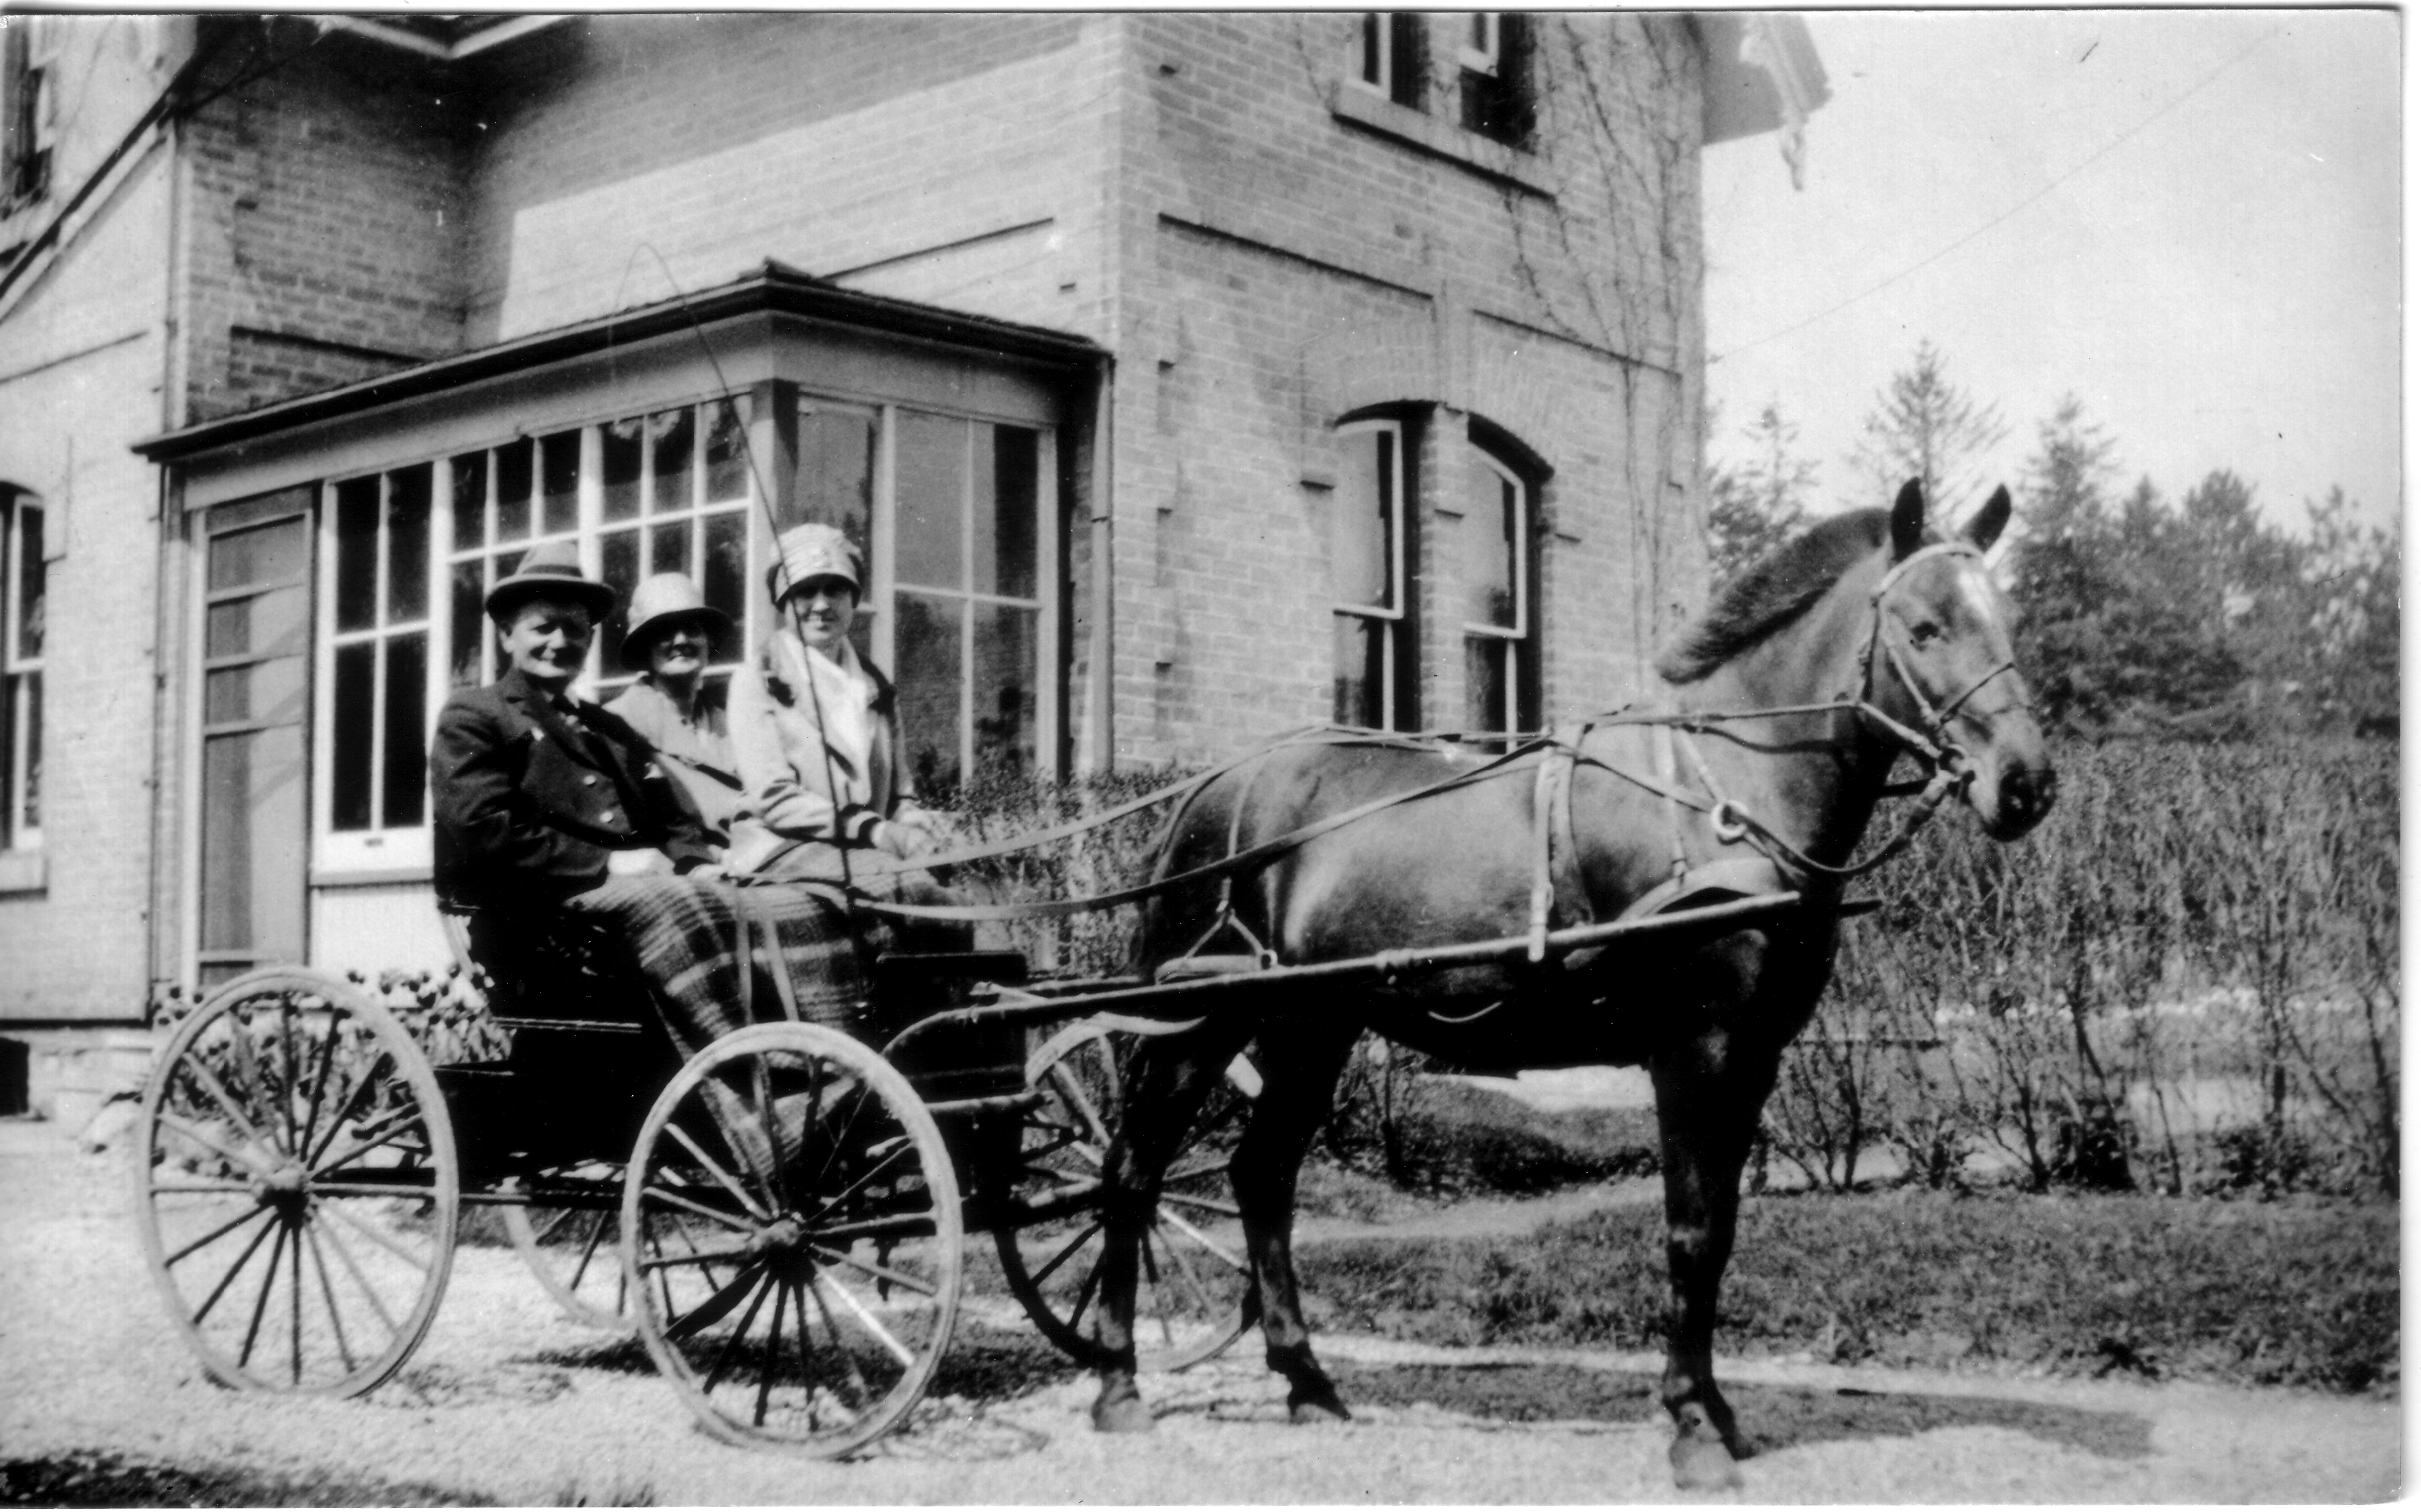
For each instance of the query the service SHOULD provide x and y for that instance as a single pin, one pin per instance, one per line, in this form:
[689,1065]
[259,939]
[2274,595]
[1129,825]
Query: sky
[2189,219]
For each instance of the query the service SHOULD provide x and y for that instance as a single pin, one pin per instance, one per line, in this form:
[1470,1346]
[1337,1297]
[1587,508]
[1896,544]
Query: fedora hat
[809,552]
[660,604]
[552,570]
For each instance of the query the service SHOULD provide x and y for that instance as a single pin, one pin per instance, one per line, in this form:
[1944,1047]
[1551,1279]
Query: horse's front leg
[1710,1089]
[1299,1070]
[1168,1081]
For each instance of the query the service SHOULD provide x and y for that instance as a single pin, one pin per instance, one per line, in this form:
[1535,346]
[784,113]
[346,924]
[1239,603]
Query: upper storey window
[25,112]
[1496,76]
[1394,56]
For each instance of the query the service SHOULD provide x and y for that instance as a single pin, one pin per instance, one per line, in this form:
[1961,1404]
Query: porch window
[1370,575]
[256,634]
[22,613]
[956,521]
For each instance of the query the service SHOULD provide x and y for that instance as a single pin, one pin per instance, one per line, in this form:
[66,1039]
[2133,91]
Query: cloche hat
[552,569]
[661,602]
[810,552]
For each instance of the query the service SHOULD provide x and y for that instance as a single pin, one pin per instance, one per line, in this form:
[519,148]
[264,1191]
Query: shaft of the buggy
[1155,1000]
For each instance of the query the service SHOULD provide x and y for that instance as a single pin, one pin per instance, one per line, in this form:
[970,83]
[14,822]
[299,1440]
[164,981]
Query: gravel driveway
[505,1401]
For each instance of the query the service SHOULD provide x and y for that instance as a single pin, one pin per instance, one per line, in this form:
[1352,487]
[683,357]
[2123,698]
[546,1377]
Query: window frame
[1391,56]
[1399,658]
[1493,79]
[26,114]
[341,856]
[1519,642]
[21,673]
[878,606]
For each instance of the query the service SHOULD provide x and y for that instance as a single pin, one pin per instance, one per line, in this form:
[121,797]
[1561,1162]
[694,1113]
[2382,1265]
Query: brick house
[1188,377]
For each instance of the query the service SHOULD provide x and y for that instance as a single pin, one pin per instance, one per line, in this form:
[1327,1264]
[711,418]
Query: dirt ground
[506,1401]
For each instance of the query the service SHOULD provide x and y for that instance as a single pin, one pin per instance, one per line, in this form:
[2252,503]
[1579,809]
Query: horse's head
[1940,661]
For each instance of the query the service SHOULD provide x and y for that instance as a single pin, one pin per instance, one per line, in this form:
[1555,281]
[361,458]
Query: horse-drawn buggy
[781,1216]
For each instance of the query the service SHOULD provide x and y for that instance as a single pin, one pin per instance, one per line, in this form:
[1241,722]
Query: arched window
[1371,570]
[21,670]
[1498,573]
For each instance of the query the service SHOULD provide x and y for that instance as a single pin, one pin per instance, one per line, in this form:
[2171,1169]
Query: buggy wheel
[1196,1297]
[790,1232]
[576,1254]
[296,1186]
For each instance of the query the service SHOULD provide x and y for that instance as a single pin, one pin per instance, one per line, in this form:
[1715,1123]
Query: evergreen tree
[1751,511]
[1925,427]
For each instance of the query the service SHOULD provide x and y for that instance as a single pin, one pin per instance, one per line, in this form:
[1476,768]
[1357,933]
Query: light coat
[814,794]
[697,752]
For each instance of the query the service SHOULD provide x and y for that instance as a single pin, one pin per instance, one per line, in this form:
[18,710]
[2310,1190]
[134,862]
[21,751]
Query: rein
[1732,824]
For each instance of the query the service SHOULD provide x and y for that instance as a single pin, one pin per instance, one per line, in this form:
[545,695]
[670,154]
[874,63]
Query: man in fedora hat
[538,792]
[674,634]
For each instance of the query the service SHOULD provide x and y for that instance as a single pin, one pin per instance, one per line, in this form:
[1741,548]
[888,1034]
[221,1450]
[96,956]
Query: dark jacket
[529,803]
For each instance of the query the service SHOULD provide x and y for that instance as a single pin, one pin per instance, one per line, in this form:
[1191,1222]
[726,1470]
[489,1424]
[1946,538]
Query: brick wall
[325,227]
[955,159]
[1283,268]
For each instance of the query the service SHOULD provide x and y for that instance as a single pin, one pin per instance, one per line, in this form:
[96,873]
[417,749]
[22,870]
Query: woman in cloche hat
[817,733]
[674,633]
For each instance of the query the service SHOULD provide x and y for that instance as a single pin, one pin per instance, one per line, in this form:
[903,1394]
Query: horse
[1866,638]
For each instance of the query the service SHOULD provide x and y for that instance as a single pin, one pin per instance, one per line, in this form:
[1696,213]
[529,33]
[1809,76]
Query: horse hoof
[1322,1407]
[1703,1465]
[1124,1414]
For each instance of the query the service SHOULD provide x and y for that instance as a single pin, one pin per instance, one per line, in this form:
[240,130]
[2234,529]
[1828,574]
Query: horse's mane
[1773,591]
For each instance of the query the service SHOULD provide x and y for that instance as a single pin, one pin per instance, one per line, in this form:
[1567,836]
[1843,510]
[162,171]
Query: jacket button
[589,780]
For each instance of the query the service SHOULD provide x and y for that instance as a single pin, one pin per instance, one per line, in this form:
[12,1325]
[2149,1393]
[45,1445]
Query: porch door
[256,702]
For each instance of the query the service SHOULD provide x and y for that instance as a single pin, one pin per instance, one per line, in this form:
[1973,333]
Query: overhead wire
[2108,148]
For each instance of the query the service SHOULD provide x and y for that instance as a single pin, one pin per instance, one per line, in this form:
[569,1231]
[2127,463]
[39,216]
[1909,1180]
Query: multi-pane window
[1496,76]
[22,608]
[952,515]
[1370,573]
[256,560]
[376,556]
[1391,55]
[1500,655]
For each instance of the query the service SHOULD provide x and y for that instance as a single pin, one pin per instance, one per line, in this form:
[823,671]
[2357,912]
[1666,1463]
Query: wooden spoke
[240,1261]
[170,1120]
[732,1340]
[665,1195]
[880,1272]
[723,1177]
[261,1303]
[772,1352]
[353,1269]
[219,1233]
[328,1295]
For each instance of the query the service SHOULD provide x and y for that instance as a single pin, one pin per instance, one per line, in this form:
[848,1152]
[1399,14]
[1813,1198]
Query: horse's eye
[1923,631]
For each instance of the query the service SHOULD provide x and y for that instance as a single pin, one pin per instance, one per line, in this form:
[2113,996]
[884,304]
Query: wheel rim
[1194,1288]
[296,1186]
[576,1252]
[797,1287]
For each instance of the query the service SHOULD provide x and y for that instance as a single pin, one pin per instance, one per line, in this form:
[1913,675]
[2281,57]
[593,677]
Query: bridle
[1936,746]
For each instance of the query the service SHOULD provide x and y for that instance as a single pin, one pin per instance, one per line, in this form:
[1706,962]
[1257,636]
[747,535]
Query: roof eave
[774,290]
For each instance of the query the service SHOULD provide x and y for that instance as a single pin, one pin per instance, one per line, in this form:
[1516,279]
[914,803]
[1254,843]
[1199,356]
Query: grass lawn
[2293,1293]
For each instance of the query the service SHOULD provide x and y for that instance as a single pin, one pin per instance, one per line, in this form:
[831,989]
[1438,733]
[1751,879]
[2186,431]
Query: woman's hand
[906,841]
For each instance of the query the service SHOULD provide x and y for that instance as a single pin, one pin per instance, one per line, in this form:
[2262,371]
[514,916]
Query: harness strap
[1554,779]
[1234,862]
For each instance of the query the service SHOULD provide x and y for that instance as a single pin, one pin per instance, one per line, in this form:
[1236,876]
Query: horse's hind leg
[1298,1080]
[1710,1089]
[1168,1079]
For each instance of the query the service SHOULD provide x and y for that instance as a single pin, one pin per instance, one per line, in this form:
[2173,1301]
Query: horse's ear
[1990,520]
[1908,519]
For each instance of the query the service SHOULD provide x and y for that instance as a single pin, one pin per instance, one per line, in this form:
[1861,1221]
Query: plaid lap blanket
[684,937]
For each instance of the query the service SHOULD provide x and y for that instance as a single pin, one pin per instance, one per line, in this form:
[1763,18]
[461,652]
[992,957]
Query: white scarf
[843,698]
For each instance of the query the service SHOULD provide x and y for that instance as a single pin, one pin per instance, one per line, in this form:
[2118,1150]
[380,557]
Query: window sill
[1364,110]
[25,871]
[369,876]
